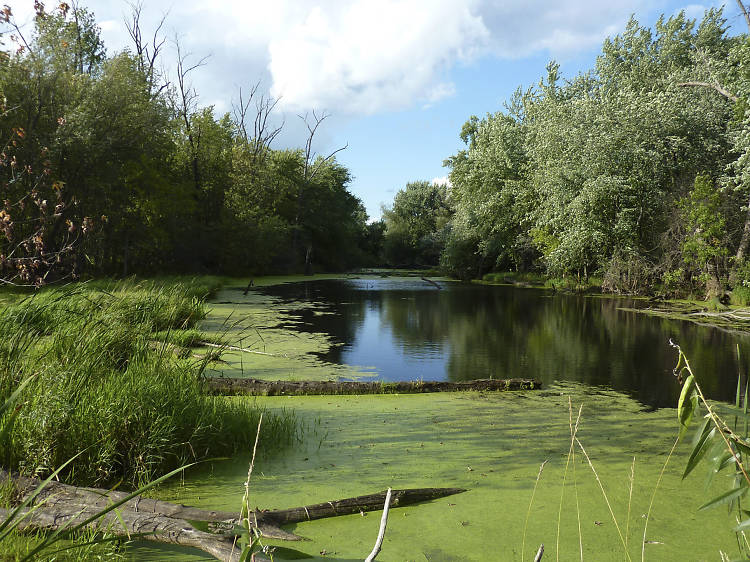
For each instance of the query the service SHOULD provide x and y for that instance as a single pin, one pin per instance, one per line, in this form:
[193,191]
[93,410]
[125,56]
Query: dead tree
[147,50]
[313,163]
[263,133]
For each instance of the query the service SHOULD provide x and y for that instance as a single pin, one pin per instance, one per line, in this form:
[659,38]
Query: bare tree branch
[714,86]
[188,100]
[312,167]
[744,13]
[263,134]
[146,51]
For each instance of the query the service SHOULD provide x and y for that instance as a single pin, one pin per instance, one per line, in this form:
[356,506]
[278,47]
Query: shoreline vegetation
[106,333]
[704,312]
[106,387]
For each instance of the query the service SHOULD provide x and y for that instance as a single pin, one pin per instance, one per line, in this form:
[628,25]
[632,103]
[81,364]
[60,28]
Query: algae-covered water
[492,444]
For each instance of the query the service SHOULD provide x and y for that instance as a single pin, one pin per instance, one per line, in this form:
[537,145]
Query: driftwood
[229,386]
[431,282]
[60,506]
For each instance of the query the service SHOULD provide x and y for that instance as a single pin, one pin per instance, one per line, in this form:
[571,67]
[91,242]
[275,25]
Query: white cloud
[355,57]
[444,180]
[368,55]
[562,28]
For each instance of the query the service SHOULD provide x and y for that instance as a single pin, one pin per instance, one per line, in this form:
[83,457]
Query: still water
[399,329]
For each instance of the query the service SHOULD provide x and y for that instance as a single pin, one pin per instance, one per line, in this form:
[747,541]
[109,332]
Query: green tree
[416,224]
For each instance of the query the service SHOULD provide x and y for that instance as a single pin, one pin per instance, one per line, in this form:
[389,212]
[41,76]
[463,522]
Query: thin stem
[653,495]
[528,512]
[571,454]
[606,499]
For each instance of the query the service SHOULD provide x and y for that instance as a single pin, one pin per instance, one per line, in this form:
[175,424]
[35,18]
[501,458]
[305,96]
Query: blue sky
[398,77]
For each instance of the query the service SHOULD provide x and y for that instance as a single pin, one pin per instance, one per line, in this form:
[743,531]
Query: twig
[630,502]
[381,532]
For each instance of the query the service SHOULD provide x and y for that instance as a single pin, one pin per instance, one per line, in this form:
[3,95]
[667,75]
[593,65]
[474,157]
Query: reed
[103,384]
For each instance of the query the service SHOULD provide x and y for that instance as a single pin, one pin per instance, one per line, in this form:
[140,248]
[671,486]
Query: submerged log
[60,506]
[348,506]
[257,387]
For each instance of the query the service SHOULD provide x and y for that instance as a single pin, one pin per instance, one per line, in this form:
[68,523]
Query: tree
[415,225]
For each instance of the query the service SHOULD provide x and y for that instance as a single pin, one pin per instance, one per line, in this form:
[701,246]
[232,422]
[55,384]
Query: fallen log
[123,522]
[61,506]
[348,506]
[256,387]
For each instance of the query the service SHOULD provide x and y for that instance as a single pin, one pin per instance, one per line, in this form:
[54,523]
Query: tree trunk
[744,241]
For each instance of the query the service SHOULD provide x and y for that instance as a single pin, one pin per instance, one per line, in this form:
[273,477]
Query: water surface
[409,330]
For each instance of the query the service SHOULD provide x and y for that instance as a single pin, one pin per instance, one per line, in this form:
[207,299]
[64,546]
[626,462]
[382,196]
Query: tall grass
[108,387]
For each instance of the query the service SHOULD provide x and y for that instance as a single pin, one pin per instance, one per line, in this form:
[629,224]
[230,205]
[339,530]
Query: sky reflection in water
[409,330]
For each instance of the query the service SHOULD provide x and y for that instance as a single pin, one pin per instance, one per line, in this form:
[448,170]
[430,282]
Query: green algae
[263,325]
[492,444]
[258,323]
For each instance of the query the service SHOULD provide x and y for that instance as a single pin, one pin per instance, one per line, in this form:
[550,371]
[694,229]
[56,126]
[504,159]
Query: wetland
[586,349]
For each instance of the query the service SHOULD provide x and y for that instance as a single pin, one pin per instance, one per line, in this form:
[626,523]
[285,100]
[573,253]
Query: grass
[107,387]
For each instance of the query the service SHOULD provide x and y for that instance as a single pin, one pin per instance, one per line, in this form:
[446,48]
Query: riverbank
[729,317]
[109,383]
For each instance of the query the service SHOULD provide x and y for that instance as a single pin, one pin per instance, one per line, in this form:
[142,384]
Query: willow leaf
[701,444]
[687,405]
[726,497]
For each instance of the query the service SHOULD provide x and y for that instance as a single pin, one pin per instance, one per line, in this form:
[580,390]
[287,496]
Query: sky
[396,78]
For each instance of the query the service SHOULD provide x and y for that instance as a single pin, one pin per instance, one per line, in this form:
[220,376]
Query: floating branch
[257,387]
[61,506]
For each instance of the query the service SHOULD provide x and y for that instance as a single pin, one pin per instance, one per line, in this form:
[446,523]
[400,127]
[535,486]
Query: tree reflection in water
[407,330]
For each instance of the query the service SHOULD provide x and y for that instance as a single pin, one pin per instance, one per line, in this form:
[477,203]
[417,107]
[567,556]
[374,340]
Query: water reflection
[408,330]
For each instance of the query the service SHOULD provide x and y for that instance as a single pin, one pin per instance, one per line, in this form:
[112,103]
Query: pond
[616,365]
[409,330]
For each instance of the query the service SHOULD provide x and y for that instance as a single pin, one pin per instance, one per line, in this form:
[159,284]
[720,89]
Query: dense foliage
[111,382]
[635,171]
[107,168]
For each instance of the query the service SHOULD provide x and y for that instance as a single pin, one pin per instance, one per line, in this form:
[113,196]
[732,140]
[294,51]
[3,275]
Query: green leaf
[13,397]
[687,405]
[742,445]
[701,444]
[726,497]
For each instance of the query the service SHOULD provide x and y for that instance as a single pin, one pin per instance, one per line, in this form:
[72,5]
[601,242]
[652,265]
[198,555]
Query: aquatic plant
[107,388]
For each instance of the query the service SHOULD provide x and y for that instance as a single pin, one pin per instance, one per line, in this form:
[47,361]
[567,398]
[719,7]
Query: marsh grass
[723,447]
[570,466]
[107,388]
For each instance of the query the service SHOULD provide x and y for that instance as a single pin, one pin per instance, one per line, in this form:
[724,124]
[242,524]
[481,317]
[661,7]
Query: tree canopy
[107,168]
[636,170]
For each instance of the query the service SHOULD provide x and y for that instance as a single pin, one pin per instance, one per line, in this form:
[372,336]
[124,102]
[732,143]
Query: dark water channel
[409,330]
